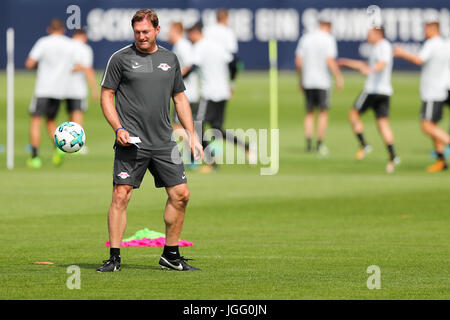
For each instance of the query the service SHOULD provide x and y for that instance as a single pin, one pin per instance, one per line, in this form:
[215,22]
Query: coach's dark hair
[148,14]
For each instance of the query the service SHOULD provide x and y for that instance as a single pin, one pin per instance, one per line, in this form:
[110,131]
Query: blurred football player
[434,58]
[315,57]
[376,94]
[53,57]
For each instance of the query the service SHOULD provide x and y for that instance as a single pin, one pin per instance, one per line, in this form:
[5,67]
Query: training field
[309,232]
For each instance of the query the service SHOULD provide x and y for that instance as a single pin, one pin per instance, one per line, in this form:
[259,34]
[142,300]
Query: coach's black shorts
[317,98]
[131,163]
[378,102]
[194,109]
[76,104]
[45,107]
[432,111]
[212,112]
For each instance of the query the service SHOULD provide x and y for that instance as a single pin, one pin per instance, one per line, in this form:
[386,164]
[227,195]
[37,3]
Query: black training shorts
[212,112]
[378,102]
[317,98]
[76,104]
[131,163]
[44,107]
[432,111]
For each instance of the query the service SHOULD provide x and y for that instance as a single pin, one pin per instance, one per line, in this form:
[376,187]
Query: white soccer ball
[70,137]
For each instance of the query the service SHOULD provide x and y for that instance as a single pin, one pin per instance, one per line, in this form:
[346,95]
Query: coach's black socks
[114,254]
[171,252]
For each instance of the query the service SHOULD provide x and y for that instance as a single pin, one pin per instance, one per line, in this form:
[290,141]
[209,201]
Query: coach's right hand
[122,137]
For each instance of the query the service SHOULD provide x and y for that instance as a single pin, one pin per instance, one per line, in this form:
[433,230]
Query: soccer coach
[142,78]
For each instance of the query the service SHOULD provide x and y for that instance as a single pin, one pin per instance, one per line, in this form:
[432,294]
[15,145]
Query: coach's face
[145,35]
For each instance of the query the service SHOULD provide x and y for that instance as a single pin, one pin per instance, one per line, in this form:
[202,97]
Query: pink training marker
[43,262]
[145,242]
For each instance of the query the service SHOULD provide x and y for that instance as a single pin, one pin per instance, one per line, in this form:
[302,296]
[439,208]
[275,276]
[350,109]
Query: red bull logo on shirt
[164,66]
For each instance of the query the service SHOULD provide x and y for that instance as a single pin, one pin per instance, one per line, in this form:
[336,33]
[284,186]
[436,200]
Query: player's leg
[178,198]
[308,129]
[77,116]
[204,115]
[440,139]
[37,109]
[76,109]
[431,114]
[117,213]
[35,141]
[51,127]
[308,120]
[217,119]
[117,221]
[388,137]
[51,113]
[361,105]
[193,165]
[433,130]
[322,122]
[35,133]
[322,125]
[433,154]
[168,171]
[381,106]
[201,117]
[174,212]
[129,170]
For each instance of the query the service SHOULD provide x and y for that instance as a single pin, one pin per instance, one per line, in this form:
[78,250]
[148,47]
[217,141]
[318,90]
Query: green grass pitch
[309,232]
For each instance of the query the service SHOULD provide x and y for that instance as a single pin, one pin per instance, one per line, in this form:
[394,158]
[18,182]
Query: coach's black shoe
[177,264]
[110,265]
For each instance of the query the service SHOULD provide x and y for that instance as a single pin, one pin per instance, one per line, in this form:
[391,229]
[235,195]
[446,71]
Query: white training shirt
[54,54]
[213,61]
[184,52]
[315,48]
[435,70]
[380,82]
[77,87]
[222,35]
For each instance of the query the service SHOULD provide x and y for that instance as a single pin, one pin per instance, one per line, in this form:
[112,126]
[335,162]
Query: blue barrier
[254,22]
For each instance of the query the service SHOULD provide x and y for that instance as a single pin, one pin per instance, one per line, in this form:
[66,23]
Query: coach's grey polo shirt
[144,84]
